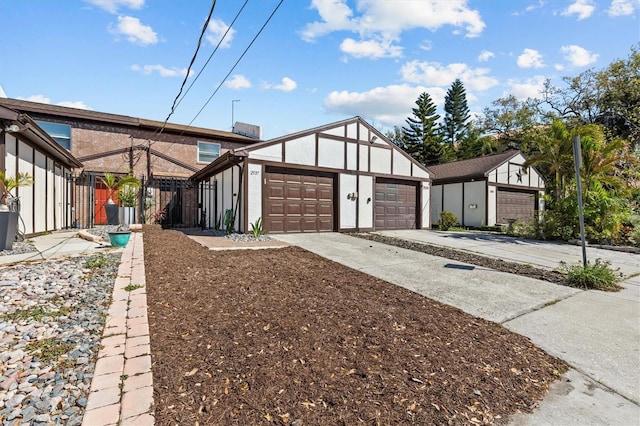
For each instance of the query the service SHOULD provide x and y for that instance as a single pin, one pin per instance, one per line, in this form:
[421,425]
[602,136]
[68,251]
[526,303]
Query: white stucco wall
[426,201]
[401,164]
[508,172]
[61,204]
[330,153]
[352,156]
[491,203]
[418,172]
[45,204]
[352,131]
[380,160]
[268,153]
[254,184]
[474,203]
[10,158]
[336,131]
[436,203]
[365,202]
[25,161]
[347,202]
[301,151]
[364,158]
[453,199]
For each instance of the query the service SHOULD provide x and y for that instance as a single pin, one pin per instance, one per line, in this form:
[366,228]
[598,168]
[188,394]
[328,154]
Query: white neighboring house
[486,191]
[26,148]
[345,176]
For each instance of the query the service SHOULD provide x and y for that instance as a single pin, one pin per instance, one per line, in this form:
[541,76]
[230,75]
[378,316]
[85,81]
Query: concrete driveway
[597,333]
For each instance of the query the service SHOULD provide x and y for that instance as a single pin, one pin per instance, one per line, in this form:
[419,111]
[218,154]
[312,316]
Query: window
[208,151]
[60,132]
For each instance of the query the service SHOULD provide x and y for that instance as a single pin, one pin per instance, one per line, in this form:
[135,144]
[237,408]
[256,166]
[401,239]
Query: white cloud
[524,89]
[237,82]
[44,100]
[74,104]
[112,6]
[135,31]
[286,85]
[384,21]
[426,45]
[370,49]
[582,8]
[389,105]
[434,74]
[530,58]
[41,99]
[485,55]
[623,7]
[163,71]
[578,56]
[216,31]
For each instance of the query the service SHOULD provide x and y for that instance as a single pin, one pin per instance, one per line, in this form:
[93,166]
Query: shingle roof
[77,113]
[472,168]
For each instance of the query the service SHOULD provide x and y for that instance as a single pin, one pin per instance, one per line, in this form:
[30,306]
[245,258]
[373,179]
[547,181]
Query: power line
[212,53]
[237,62]
[229,73]
[193,59]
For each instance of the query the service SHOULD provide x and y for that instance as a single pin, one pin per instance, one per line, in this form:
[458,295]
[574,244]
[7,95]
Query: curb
[122,385]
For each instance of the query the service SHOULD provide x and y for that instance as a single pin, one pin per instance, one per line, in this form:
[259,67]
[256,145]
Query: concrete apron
[597,333]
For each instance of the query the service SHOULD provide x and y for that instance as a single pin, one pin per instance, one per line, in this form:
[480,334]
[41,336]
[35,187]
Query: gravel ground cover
[51,320]
[285,337]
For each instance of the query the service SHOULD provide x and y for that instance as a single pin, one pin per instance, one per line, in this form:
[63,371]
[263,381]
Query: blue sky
[315,61]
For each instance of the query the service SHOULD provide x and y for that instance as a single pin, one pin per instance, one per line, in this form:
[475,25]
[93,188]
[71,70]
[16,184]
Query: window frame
[200,152]
[62,140]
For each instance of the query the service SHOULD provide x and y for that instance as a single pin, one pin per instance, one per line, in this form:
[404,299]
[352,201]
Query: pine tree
[422,136]
[456,116]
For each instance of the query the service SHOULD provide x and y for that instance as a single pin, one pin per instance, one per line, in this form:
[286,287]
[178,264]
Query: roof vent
[248,130]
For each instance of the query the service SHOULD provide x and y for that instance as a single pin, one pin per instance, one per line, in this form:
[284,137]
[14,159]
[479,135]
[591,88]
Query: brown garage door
[514,205]
[297,201]
[395,206]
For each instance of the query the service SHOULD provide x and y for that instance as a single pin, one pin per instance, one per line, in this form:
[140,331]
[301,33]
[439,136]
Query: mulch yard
[285,337]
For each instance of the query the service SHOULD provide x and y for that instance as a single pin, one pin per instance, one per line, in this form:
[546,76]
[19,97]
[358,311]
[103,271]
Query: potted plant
[10,208]
[113,183]
[128,196]
[120,237]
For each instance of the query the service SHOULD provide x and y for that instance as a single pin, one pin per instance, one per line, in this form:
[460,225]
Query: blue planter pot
[119,238]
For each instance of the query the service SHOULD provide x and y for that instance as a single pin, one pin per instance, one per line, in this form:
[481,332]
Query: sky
[291,65]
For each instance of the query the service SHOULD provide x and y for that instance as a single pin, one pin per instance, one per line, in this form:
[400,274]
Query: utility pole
[233,102]
[577,162]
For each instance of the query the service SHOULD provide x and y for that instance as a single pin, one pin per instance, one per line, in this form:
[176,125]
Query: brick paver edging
[122,385]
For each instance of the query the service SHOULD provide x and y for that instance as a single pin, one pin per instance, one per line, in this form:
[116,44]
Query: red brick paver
[122,386]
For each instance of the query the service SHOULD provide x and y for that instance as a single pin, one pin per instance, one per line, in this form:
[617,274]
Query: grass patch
[597,275]
[132,287]
[49,349]
[36,313]
[97,261]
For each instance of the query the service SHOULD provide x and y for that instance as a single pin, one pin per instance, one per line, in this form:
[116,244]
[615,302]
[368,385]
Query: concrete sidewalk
[56,244]
[545,254]
[597,333]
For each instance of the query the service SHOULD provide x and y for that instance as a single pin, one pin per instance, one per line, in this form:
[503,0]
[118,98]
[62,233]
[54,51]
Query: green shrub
[228,221]
[597,275]
[447,220]
[256,228]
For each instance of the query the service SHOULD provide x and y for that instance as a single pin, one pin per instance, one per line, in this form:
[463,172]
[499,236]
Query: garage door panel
[514,205]
[294,209]
[395,205]
[299,202]
[276,191]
